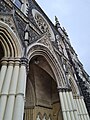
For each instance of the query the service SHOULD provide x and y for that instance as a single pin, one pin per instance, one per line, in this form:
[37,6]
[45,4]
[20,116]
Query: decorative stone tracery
[41,23]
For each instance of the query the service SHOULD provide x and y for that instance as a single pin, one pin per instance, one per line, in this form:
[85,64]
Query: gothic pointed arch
[43,74]
[9,41]
[40,49]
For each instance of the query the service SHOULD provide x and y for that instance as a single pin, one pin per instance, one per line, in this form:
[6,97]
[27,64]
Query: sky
[74,15]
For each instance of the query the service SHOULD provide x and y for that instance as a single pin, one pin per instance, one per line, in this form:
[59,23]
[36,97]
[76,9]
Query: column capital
[4,61]
[17,61]
[24,61]
[78,97]
[63,89]
[11,61]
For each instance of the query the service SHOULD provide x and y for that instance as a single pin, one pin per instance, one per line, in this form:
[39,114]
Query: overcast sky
[74,15]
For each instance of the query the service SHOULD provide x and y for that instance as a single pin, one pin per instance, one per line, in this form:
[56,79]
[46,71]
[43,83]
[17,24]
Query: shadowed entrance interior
[42,99]
[1,53]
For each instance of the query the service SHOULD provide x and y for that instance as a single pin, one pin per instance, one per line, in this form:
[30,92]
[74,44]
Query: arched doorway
[42,99]
[10,67]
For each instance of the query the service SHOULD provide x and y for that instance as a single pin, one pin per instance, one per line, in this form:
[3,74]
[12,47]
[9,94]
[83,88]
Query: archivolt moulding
[10,43]
[38,49]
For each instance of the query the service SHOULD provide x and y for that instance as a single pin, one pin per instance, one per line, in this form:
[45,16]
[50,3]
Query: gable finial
[56,19]
[57,24]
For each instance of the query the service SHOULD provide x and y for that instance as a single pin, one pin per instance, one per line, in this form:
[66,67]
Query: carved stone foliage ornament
[46,41]
[8,19]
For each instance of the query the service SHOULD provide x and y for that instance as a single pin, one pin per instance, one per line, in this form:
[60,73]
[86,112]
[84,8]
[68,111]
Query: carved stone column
[85,110]
[74,108]
[82,111]
[5,88]
[63,106]
[71,108]
[3,72]
[12,91]
[20,93]
[67,104]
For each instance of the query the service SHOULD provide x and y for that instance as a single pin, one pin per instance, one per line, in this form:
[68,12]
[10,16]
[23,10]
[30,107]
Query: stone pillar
[20,93]
[85,110]
[5,88]
[63,106]
[12,91]
[73,106]
[3,72]
[67,104]
[82,111]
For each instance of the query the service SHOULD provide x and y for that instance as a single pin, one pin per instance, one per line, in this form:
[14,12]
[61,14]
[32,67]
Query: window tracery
[41,24]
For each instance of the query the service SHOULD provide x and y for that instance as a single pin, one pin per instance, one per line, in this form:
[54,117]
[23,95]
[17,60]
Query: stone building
[41,77]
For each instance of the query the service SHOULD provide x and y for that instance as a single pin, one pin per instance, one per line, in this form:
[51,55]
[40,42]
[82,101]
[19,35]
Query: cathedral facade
[41,77]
